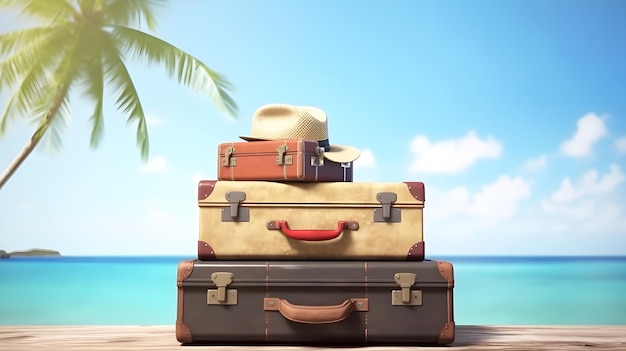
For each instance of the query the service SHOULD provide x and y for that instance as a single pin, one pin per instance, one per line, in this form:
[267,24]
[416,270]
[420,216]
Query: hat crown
[281,121]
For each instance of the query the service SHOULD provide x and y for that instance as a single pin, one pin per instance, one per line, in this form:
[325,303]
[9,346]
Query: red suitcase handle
[315,314]
[311,234]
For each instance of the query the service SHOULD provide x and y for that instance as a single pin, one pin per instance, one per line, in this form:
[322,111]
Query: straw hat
[282,121]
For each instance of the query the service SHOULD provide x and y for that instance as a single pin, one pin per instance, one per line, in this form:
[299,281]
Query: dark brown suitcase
[315,302]
[279,160]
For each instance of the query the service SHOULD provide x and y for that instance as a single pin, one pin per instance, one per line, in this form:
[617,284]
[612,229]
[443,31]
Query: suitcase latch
[406,296]
[318,159]
[283,159]
[222,296]
[235,212]
[387,213]
[228,160]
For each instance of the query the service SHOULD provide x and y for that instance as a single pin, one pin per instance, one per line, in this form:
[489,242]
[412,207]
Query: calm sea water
[142,290]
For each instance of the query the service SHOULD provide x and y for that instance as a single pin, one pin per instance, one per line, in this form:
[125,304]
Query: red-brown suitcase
[279,160]
[315,302]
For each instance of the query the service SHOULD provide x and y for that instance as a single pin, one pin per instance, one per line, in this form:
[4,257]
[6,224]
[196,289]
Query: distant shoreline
[31,252]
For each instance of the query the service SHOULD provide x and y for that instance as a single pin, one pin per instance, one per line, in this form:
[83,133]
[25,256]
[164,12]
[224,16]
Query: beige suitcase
[263,220]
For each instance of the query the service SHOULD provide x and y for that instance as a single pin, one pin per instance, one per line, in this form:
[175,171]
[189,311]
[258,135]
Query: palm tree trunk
[21,157]
[36,138]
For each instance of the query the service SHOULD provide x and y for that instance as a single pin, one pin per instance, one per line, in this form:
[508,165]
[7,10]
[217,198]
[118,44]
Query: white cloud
[581,217]
[500,199]
[153,121]
[155,165]
[620,144]
[452,155]
[590,206]
[589,129]
[495,201]
[366,160]
[590,184]
[536,164]
[459,221]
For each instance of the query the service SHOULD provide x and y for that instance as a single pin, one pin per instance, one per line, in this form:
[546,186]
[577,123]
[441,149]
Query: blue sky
[511,112]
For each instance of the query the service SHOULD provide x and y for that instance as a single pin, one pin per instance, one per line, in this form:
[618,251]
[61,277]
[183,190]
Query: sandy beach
[121,338]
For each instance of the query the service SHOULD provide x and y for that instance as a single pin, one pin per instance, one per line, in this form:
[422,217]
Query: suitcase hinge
[318,159]
[228,160]
[387,213]
[283,159]
[406,296]
[235,213]
[222,296]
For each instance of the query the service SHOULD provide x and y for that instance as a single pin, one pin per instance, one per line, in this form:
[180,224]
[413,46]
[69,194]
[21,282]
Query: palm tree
[83,44]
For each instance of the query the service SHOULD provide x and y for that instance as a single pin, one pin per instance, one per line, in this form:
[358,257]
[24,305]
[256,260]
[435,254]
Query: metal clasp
[406,296]
[228,159]
[283,159]
[235,213]
[319,157]
[387,213]
[222,296]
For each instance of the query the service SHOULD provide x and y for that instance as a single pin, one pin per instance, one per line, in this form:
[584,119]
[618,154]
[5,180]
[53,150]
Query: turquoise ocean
[142,290]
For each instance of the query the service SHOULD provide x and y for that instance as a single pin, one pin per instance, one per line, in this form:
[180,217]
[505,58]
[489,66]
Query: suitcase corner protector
[417,190]
[446,271]
[205,188]
[416,252]
[183,334]
[205,251]
[184,270]
[447,333]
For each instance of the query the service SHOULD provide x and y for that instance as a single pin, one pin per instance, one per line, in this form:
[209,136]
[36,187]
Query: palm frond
[7,114]
[116,73]
[51,128]
[52,11]
[217,84]
[41,50]
[26,95]
[128,12]
[52,110]
[189,71]
[94,79]
[23,37]
[29,66]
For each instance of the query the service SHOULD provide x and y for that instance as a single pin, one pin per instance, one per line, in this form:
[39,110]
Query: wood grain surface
[121,338]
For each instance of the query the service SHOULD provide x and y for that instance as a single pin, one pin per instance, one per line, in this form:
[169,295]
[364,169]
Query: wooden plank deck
[161,338]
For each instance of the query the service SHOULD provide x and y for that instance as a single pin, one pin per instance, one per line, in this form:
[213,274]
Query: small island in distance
[31,252]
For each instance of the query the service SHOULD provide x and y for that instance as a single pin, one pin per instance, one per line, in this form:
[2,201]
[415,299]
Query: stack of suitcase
[292,251]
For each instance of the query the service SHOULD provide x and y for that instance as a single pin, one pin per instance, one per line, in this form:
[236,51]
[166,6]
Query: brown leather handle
[315,314]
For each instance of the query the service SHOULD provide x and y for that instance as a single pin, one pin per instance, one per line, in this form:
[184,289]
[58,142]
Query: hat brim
[342,153]
[249,138]
[337,153]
